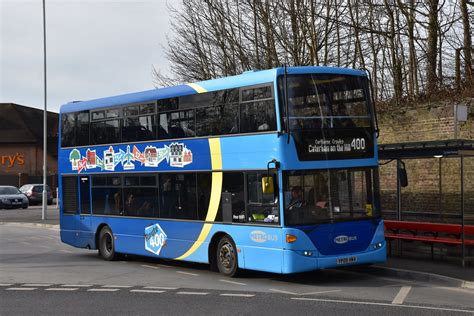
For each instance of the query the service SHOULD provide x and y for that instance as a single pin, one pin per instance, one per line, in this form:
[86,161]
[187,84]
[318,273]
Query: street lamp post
[45,119]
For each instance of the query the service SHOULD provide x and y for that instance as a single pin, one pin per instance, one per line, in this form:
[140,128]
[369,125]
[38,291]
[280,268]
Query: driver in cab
[296,200]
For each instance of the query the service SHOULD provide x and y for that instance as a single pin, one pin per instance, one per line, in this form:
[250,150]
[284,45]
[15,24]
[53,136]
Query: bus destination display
[327,144]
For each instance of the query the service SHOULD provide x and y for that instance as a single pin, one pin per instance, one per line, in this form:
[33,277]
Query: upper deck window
[139,122]
[249,109]
[105,126]
[75,129]
[259,93]
[326,101]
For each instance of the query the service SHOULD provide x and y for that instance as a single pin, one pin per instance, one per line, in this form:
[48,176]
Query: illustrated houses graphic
[109,162]
[151,156]
[91,158]
[176,154]
[180,156]
[74,158]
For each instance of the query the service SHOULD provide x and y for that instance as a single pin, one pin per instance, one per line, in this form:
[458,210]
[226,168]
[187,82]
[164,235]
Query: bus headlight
[377,245]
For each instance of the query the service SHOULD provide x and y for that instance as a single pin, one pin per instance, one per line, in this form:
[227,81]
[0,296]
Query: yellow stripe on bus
[216,190]
[197,87]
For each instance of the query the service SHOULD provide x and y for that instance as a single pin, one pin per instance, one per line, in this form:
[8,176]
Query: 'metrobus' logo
[261,236]
[342,239]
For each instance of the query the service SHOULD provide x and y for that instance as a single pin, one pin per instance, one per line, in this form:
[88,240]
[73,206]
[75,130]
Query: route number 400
[158,240]
[358,143]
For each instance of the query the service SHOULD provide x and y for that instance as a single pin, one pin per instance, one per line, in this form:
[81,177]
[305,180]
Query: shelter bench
[431,233]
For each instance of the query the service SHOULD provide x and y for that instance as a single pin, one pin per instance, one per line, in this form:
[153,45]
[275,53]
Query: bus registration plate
[346,260]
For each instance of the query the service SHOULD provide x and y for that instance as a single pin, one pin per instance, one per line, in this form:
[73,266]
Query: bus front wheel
[227,257]
[107,244]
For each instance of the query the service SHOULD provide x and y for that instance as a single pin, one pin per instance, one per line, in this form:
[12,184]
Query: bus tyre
[107,244]
[226,257]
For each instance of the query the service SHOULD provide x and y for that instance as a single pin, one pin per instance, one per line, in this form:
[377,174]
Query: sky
[95,48]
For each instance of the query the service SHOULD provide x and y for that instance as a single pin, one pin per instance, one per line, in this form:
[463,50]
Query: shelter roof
[427,149]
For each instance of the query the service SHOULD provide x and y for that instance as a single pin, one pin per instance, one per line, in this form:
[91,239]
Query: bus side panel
[261,246]
[258,248]
[258,151]
[130,234]
[68,229]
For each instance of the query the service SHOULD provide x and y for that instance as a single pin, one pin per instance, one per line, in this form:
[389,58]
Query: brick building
[434,183]
[21,145]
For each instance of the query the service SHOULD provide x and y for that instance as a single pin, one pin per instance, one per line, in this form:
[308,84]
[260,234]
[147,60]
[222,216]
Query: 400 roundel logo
[155,239]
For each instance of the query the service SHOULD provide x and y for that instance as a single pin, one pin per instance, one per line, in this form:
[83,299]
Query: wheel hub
[108,243]
[226,256]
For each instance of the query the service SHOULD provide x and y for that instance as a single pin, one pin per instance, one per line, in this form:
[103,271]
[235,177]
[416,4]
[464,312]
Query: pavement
[417,268]
[31,215]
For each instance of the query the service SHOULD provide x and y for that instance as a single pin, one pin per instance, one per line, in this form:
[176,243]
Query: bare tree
[409,45]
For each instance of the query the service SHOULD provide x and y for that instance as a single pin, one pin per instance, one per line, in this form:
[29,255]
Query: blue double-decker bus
[272,170]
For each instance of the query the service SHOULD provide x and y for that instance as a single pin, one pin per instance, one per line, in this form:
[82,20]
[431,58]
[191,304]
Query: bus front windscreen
[329,195]
[330,116]
[318,101]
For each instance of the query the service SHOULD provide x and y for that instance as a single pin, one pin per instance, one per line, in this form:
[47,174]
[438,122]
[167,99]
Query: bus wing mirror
[267,185]
[267,181]
[402,175]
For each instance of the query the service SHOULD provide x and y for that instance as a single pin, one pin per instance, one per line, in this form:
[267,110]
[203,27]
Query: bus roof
[252,77]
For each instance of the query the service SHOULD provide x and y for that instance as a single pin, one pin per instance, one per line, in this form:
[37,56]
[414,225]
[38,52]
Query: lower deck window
[185,196]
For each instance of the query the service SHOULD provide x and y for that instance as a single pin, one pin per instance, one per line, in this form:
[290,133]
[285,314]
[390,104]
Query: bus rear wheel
[107,244]
[226,257]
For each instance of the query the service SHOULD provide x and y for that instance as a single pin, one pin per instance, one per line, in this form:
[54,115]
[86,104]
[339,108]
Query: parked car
[34,193]
[11,197]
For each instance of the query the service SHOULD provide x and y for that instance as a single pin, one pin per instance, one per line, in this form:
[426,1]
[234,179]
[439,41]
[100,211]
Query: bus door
[84,224]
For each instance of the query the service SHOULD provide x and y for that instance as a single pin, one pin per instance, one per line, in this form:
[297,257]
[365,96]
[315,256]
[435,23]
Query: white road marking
[284,292]
[394,285]
[6,284]
[147,291]
[320,292]
[117,286]
[21,288]
[456,289]
[160,288]
[102,290]
[232,282]
[299,294]
[402,294]
[163,266]
[76,285]
[192,293]
[147,266]
[36,285]
[187,273]
[382,304]
[237,295]
[62,289]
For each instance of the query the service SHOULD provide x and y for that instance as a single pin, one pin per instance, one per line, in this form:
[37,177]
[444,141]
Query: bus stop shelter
[460,149]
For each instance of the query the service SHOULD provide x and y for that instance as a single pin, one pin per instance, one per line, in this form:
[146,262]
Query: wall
[26,159]
[427,122]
